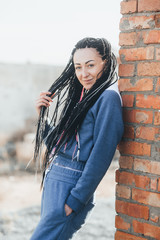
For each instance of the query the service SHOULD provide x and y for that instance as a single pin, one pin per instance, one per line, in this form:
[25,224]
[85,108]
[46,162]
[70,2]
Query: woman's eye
[77,68]
[90,65]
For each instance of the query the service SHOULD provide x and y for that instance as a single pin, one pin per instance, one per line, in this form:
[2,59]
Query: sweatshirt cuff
[74,203]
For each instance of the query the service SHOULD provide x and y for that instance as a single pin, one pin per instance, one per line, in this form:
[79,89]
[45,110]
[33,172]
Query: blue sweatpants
[61,177]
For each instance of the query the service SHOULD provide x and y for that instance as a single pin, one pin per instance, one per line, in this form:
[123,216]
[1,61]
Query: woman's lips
[88,80]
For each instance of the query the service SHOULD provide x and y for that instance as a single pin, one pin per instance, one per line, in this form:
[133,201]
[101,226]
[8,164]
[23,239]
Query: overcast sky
[45,31]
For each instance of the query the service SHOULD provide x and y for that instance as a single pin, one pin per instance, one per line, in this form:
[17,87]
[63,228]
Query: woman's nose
[84,73]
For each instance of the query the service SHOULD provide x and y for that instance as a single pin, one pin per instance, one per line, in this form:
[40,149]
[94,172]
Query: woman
[81,140]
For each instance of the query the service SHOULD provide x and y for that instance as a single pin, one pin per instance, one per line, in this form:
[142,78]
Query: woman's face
[88,66]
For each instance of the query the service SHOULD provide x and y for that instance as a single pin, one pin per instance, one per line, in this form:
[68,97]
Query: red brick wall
[138,177]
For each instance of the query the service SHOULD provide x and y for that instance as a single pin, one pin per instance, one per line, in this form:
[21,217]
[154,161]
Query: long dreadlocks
[69,112]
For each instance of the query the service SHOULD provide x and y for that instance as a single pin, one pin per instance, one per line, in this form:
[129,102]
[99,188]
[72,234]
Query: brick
[126,70]
[125,236]
[157,53]
[143,84]
[147,133]
[123,191]
[146,229]
[157,21]
[139,37]
[145,165]
[124,24]
[128,132]
[137,54]
[131,179]
[146,197]
[125,178]
[142,181]
[137,22]
[128,7]
[157,118]
[127,39]
[137,116]
[149,69]
[135,148]
[126,162]
[128,100]
[159,185]
[153,185]
[148,5]
[155,154]
[152,36]
[158,86]
[148,101]
[157,134]
[142,165]
[132,209]
[121,223]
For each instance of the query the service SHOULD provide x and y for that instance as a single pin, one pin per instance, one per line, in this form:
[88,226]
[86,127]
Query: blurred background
[37,38]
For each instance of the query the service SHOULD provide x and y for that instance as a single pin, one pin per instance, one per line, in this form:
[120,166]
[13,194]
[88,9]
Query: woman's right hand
[43,100]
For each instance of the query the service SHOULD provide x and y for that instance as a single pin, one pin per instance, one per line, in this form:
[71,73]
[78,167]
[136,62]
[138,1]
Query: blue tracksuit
[73,177]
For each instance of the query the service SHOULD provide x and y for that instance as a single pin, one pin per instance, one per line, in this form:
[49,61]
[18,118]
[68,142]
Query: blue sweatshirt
[99,134]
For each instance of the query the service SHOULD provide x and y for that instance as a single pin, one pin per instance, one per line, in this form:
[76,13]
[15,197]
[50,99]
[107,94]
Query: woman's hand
[43,100]
[67,209]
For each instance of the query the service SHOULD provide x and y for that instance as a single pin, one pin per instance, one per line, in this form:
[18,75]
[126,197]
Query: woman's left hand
[67,209]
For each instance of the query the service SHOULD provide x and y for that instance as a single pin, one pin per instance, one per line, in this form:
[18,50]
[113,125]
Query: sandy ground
[20,198]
